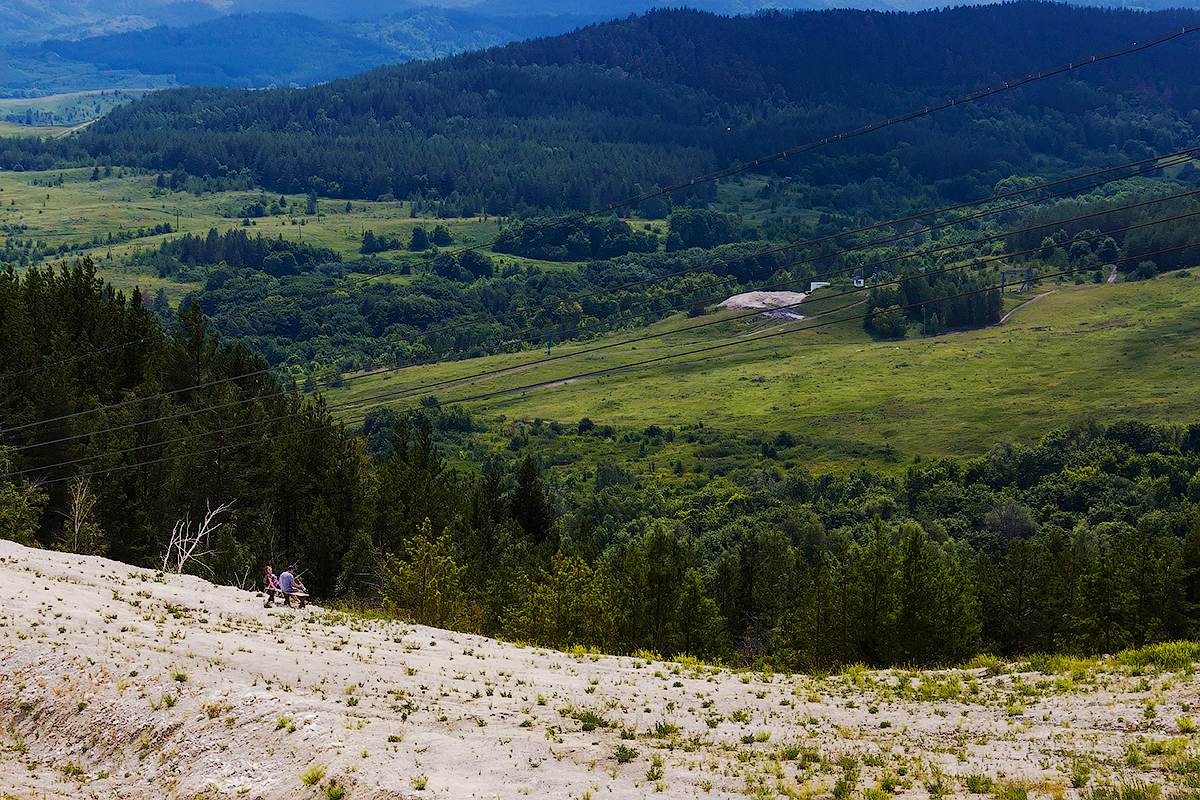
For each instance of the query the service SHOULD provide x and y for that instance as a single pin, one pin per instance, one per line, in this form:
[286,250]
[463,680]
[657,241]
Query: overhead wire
[1115,174]
[470,380]
[589,327]
[1067,186]
[738,169]
[784,307]
[513,390]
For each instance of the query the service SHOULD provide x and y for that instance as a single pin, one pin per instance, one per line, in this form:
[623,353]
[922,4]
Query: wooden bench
[286,597]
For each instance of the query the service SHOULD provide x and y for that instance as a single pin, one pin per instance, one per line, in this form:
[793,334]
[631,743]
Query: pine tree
[698,628]
[876,579]
[528,504]
[425,584]
[361,569]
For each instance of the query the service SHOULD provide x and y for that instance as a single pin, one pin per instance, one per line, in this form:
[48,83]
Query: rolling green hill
[650,101]
[1072,354]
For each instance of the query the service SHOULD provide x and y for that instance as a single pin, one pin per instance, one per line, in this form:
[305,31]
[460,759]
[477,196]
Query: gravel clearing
[773,302]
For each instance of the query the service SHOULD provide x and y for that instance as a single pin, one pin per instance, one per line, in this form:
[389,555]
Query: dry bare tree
[186,544]
[82,534]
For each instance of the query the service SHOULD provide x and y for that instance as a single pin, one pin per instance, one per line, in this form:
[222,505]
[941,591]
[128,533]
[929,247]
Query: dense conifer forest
[1088,540]
[615,110]
[1085,540]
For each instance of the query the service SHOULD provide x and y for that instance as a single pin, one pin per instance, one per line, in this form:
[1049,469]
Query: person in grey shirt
[292,587]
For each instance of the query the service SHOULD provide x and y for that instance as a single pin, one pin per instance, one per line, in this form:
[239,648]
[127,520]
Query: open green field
[67,206]
[67,109]
[13,129]
[80,211]
[1104,352]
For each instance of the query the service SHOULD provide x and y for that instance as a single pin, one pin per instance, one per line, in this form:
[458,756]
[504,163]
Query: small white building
[859,282]
[814,285]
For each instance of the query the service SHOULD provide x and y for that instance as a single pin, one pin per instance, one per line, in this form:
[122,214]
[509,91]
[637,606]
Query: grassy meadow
[78,211]
[1102,351]
[65,110]
[13,129]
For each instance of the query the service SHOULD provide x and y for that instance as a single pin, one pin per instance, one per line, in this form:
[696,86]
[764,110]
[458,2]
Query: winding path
[1005,318]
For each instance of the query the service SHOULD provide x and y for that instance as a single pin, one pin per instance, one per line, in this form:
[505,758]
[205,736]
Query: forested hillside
[709,534]
[209,408]
[1087,540]
[627,106]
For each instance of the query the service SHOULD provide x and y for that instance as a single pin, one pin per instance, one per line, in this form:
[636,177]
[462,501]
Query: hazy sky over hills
[35,20]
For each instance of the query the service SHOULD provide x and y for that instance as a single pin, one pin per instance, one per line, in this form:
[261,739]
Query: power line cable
[751,340]
[470,380]
[637,340]
[514,390]
[1115,172]
[946,248]
[896,281]
[787,153]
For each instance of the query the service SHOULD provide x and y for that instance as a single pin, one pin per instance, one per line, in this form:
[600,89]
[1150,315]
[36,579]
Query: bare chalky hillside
[118,682]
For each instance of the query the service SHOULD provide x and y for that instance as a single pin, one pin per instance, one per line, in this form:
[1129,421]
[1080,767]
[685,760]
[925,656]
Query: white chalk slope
[118,682]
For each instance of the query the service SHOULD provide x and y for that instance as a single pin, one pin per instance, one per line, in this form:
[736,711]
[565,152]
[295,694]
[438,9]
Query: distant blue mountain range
[55,46]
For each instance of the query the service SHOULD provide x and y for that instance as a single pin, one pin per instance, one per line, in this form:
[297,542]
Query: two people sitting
[287,586]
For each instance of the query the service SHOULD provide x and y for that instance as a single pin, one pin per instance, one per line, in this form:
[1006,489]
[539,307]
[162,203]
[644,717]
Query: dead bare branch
[186,545]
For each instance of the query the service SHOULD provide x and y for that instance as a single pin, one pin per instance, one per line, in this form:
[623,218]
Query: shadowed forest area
[125,420]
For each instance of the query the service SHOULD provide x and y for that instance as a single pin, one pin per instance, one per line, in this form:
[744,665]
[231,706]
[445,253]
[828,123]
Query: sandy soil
[774,302]
[117,682]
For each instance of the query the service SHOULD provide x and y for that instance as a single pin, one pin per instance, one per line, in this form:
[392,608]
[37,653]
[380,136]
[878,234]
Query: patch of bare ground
[118,682]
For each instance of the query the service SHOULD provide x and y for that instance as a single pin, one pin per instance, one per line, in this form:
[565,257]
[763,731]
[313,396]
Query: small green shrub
[1012,790]
[937,786]
[664,729]
[312,775]
[1080,773]
[590,720]
[979,783]
[1165,655]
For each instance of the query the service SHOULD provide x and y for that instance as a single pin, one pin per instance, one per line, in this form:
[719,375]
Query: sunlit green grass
[13,129]
[1099,351]
[1084,351]
[81,209]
